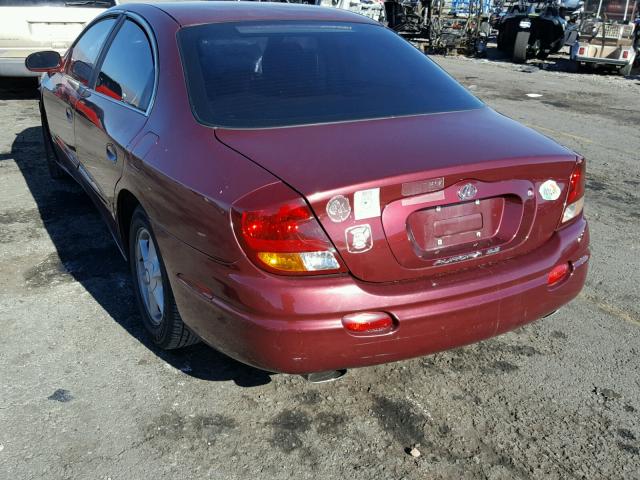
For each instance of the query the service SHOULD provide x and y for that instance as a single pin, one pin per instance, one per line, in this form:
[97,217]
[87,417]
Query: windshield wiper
[81,3]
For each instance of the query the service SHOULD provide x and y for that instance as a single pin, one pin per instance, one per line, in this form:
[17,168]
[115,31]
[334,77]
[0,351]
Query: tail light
[575,197]
[581,51]
[625,54]
[279,233]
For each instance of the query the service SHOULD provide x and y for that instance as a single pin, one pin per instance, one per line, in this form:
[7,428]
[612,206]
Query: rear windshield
[269,74]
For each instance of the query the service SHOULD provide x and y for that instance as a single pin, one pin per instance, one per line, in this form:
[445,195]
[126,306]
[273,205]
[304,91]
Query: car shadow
[86,253]
[18,88]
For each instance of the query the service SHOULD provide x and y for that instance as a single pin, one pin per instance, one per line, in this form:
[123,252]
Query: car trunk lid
[423,195]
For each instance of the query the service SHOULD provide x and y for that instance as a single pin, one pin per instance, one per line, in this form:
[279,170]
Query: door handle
[112,155]
[69,113]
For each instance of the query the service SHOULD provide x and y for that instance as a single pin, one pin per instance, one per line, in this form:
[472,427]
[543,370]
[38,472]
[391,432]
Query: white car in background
[28,26]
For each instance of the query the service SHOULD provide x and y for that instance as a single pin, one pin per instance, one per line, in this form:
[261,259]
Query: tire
[626,70]
[543,55]
[520,47]
[159,317]
[55,170]
[586,68]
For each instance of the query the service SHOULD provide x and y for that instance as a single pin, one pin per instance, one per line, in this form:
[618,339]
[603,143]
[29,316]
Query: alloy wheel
[149,276]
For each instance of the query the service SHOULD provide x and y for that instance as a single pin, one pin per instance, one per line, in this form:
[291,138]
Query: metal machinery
[439,26]
[608,35]
[531,29]
[369,8]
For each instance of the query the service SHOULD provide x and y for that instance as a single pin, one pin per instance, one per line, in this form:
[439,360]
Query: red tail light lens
[575,197]
[289,227]
[279,232]
[625,54]
[577,182]
[581,51]
[558,273]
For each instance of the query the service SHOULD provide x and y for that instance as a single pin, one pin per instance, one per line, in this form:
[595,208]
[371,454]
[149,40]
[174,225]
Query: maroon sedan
[304,190]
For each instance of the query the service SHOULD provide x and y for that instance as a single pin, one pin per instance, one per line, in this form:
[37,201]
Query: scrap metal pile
[602,33]
[438,26]
[441,26]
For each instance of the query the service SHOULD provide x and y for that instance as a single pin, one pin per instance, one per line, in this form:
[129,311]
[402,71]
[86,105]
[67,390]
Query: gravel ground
[84,394]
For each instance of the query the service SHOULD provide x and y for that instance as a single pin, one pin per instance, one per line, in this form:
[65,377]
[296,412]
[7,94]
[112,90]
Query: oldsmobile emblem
[467,192]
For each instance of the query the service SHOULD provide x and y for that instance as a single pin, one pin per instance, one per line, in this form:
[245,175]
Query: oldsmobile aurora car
[304,190]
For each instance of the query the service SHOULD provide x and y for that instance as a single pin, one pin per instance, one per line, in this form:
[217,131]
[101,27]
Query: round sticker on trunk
[550,190]
[338,208]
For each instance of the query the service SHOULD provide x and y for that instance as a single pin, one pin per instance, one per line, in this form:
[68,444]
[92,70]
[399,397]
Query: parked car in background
[27,26]
[607,35]
[306,191]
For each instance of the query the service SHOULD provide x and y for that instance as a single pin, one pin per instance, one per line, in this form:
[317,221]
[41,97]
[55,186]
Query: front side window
[270,74]
[127,73]
[86,50]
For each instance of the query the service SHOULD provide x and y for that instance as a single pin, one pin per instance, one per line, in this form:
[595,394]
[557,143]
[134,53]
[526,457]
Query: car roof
[201,12]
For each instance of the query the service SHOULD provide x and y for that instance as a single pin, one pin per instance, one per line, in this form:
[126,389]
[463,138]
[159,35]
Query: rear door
[61,91]
[111,113]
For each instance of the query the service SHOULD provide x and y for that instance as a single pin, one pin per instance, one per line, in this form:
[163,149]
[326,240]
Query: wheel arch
[126,204]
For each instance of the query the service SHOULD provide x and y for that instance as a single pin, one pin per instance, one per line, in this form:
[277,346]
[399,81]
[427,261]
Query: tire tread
[172,332]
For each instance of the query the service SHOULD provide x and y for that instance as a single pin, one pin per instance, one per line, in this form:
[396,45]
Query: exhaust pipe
[323,377]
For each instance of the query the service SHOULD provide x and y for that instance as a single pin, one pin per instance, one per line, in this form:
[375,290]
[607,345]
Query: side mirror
[43,61]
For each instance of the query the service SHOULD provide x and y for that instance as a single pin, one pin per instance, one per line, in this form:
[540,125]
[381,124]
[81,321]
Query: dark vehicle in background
[304,190]
[531,30]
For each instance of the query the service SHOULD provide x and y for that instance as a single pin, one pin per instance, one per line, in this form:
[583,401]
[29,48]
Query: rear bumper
[295,325]
[602,61]
[14,67]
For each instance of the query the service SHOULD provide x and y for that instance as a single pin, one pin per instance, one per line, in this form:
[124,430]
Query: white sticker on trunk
[366,204]
[550,190]
[338,208]
[359,238]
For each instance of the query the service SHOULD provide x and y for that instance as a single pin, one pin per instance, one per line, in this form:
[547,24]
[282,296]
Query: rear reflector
[368,322]
[558,273]
[573,210]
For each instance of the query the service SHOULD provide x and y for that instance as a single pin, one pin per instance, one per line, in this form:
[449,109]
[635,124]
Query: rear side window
[269,74]
[127,73]
[86,50]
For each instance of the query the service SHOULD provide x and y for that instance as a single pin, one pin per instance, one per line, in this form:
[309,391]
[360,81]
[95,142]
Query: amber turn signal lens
[299,262]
